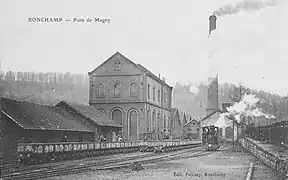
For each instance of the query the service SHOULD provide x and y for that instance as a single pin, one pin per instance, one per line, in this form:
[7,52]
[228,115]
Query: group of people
[117,138]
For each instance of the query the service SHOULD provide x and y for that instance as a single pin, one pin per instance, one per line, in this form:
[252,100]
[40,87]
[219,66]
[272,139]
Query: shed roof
[91,113]
[42,117]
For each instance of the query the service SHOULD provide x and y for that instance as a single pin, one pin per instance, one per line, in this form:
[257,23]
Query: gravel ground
[223,164]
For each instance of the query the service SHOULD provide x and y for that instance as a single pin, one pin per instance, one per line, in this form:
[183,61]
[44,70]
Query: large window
[159,95]
[133,89]
[148,91]
[164,121]
[133,124]
[117,90]
[153,123]
[148,121]
[117,116]
[153,93]
[101,90]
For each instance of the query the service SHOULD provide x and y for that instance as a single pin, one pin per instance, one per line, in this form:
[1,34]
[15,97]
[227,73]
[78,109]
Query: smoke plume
[246,5]
[245,108]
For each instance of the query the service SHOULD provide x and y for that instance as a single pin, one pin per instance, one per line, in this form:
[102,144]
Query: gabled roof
[42,117]
[191,121]
[174,112]
[209,115]
[114,55]
[183,118]
[153,76]
[90,113]
[138,66]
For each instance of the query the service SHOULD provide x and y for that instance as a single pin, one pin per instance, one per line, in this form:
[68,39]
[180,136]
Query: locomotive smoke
[246,5]
[245,108]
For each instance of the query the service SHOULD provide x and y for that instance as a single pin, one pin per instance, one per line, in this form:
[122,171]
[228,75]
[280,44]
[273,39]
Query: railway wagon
[210,138]
[277,133]
[34,153]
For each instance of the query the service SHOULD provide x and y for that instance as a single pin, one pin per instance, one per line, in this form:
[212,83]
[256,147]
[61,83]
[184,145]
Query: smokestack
[212,95]
[212,23]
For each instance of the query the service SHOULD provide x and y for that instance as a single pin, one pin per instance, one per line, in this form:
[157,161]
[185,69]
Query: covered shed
[35,123]
[100,123]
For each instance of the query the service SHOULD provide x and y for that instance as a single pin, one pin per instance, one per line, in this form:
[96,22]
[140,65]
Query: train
[276,133]
[37,153]
[210,138]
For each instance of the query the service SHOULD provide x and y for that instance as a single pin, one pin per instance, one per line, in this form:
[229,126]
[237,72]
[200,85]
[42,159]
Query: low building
[192,129]
[98,121]
[34,123]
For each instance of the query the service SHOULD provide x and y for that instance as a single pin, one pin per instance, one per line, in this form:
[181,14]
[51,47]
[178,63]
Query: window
[153,120]
[153,93]
[148,91]
[117,66]
[117,90]
[117,116]
[101,90]
[164,121]
[158,95]
[131,124]
[133,89]
[158,120]
[148,121]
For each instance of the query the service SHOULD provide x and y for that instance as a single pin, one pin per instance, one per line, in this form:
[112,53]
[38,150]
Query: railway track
[94,160]
[92,166]
[13,168]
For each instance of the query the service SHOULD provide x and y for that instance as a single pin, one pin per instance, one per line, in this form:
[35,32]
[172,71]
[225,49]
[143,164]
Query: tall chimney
[159,76]
[212,95]
[163,79]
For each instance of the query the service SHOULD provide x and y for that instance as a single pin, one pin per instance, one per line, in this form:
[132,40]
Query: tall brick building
[132,96]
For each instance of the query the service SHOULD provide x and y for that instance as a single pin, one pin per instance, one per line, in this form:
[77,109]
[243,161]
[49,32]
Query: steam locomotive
[210,138]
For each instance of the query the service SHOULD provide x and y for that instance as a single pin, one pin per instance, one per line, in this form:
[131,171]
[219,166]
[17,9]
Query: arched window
[117,116]
[164,121]
[148,121]
[148,91]
[153,123]
[133,89]
[133,124]
[101,110]
[117,90]
[101,90]
[153,93]
[158,120]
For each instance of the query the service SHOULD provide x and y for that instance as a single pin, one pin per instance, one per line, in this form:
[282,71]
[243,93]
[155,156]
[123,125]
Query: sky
[167,37]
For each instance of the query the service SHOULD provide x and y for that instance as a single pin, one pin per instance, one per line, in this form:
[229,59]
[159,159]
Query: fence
[278,164]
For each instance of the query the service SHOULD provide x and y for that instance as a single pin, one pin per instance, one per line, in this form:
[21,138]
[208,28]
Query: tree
[10,76]
[2,75]
[67,78]
[41,76]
